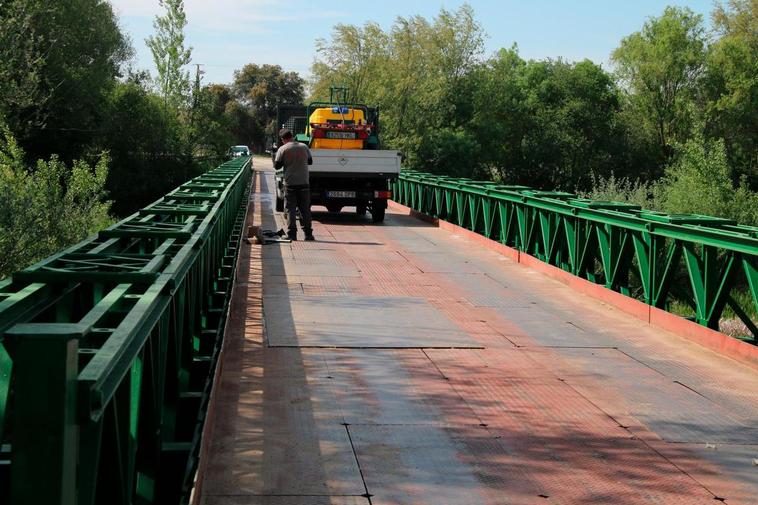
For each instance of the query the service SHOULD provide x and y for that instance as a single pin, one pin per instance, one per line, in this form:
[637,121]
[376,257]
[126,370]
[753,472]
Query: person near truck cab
[294,158]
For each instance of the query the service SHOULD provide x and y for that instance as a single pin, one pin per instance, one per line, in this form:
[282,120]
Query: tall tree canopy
[732,84]
[450,111]
[169,54]
[414,72]
[550,123]
[58,61]
[659,67]
[258,90]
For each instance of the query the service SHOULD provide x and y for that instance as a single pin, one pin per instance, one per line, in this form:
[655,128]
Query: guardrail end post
[43,453]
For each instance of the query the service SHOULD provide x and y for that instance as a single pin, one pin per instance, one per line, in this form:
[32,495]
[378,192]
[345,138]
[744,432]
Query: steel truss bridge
[434,359]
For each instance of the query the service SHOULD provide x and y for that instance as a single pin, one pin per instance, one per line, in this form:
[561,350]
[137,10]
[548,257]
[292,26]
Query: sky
[226,34]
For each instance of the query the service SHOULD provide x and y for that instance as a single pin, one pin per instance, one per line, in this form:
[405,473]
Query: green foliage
[258,90]
[148,145]
[20,59]
[211,128]
[623,189]
[551,123]
[659,67]
[352,58]
[548,123]
[675,128]
[731,85]
[450,152]
[418,73]
[699,181]
[48,208]
[431,62]
[169,54]
[57,63]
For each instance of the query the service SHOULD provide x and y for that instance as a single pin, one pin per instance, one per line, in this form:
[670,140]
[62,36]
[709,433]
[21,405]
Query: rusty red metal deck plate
[395,387]
[359,321]
[424,465]
[282,413]
[555,399]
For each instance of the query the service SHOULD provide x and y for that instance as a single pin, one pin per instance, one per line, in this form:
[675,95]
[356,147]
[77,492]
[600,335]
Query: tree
[353,58]
[417,73]
[732,85]
[169,54]
[21,55]
[501,119]
[259,89]
[427,88]
[58,61]
[150,154]
[659,68]
[211,127]
[549,124]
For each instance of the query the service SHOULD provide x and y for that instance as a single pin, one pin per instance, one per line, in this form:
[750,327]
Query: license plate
[340,135]
[340,194]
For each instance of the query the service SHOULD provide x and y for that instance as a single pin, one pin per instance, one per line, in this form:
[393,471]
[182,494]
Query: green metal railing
[705,262]
[108,349]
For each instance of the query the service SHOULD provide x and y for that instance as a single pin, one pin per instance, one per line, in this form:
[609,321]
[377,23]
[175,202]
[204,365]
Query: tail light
[383,194]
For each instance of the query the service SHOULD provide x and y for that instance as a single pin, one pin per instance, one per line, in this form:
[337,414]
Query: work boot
[309,237]
[292,235]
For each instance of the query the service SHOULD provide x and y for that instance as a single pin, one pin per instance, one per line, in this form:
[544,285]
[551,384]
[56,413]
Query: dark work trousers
[299,197]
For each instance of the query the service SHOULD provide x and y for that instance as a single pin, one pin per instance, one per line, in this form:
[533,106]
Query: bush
[699,181]
[48,208]
[623,189]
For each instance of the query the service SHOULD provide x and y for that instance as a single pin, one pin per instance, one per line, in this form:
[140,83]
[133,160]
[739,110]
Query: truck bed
[355,162]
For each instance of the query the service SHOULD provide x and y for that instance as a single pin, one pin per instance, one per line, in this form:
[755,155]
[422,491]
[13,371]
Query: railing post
[44,452]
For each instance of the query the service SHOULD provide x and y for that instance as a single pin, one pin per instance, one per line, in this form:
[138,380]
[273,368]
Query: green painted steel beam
[100,342]
[627,249]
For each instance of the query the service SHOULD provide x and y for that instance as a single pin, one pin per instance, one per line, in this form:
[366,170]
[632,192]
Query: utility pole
[196,101]
[198,73]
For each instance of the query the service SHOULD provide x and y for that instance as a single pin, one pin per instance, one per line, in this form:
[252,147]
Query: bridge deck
[401,364]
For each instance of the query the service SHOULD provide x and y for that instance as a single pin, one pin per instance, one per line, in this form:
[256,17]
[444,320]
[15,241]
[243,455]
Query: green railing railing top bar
[629,249]
[569,203]
[697,219]
[604,204]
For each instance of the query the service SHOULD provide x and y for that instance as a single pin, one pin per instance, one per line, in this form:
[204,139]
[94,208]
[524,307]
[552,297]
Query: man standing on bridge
[295,157]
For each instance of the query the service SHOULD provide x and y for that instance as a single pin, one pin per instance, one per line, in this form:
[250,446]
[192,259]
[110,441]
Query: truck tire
[279,204]
[377,215]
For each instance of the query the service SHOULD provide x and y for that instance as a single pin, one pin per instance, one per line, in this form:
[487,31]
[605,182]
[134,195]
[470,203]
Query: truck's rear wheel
[377,215]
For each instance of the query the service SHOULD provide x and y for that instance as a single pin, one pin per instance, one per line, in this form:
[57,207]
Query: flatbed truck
[349,167]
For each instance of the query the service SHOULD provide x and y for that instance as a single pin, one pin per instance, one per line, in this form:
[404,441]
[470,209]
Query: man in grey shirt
[294,158]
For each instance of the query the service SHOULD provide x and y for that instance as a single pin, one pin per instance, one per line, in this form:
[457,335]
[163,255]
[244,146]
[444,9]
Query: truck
[349,167]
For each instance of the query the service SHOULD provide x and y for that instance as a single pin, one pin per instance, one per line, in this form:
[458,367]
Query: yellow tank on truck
[337,128]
